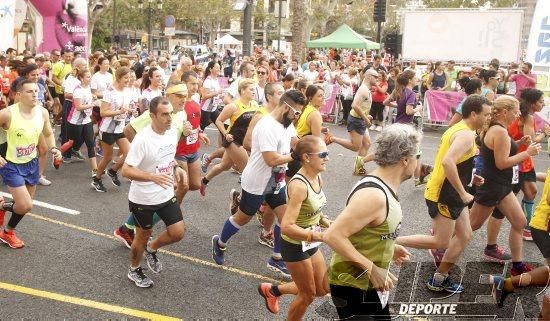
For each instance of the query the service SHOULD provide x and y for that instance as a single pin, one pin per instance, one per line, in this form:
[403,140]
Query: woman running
[115,106]
[239,114]
[102,79]
[151,87]
[301,233]
[500,171]
[80,128]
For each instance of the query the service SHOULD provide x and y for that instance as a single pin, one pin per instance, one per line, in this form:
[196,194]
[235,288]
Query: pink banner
[442,104]
[329,102]
[223,82]
[64,25]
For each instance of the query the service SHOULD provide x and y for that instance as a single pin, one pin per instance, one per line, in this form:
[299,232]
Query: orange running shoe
[11,239]
[2,215]
[271,301]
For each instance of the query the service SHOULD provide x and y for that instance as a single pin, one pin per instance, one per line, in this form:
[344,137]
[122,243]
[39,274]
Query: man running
[23,122]
[150,165]
[177,94]
[446,192]
[264,176]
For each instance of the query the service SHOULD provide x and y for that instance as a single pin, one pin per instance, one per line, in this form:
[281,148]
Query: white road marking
[47,205]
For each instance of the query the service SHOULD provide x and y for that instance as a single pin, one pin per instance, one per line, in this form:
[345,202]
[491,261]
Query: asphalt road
[73,268]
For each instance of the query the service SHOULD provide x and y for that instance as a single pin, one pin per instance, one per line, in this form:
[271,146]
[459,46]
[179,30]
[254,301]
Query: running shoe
[114,176]
[44,181]
[278,266]
[218,252]
[125,237]
[153,262]
[425,171]
[205,162]
[202,190]
[266,239]
[99,152]
[139,278]
[378,128]
[498,292]
[11,239]
[497,255]
[271,301]
[437,255]
[527,235]
[359,169]
[235,198]
[77,154]
[523,268]
[372,127]
[98,185]
[328,139]
[67,160]
[439,282]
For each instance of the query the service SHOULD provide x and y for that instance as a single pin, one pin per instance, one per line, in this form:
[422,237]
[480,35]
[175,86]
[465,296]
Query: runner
[187,153]
[23,123]
[150,165]
[80,128]
[263,177]
[102,80]
[502,286]
[500,170]
[446,193]
[301,233]
[116,104]
[151,87]
[239,114]
[177,94]
[358,121]
[363,236]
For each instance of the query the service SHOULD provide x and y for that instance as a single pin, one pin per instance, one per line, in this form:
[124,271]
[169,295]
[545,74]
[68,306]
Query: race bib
[308,246]
[280,182]
[165,168]
[193,137]
[515,174]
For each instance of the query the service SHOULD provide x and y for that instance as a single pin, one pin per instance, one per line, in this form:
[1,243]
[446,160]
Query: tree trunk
[93,17]
[300,20]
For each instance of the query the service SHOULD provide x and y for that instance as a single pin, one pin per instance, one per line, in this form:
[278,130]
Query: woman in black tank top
[500,160]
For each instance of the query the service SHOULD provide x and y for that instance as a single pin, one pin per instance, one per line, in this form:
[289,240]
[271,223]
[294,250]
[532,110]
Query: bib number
[165,168]
[515,174]
[308,246]
[193,137]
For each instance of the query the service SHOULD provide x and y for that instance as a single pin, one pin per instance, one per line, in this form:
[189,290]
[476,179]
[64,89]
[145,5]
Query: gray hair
[80,61]
[186,59]
[396,142]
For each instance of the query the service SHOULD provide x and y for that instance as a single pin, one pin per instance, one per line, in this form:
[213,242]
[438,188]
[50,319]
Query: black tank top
[490,170]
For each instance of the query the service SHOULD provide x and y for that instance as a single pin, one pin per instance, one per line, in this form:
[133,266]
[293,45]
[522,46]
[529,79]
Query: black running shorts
[491,193]
[169,212]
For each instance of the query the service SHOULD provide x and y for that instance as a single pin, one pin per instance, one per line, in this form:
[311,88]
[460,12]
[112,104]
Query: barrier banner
[7,23]
[331,92]
[441,105]
[64,25]
[223,82]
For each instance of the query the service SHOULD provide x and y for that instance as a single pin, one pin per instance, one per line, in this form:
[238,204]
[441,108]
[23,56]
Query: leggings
[377,111]
[346,108]
[81,134]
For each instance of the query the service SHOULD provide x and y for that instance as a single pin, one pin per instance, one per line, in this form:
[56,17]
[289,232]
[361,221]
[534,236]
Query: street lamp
[150,11]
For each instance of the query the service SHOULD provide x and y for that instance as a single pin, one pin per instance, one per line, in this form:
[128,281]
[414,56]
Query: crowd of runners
[272,132]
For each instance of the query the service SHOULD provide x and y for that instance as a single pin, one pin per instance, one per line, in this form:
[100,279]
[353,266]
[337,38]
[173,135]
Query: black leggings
[377,111]
[81,134]
[346,107]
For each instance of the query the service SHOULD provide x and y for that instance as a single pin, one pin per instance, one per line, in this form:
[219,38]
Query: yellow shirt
[61,70]
[302,128]
[542,212]
[23,134]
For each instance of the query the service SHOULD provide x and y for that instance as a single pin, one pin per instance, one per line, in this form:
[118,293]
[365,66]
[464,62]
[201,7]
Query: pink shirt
[522,82]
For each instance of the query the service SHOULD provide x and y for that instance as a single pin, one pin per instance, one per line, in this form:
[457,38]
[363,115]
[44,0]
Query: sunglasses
[296,112]
[321,155]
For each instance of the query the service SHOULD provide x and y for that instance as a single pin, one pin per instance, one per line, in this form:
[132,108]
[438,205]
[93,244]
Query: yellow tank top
[302,128]
[242,109]
[542,212]
[365,105]
[23,134]
[439,189]
[263,111]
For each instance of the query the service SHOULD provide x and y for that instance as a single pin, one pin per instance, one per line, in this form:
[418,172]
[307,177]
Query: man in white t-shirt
[264,176]
[246,71]
[150,165]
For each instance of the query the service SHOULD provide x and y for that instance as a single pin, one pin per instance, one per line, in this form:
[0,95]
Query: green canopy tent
[343,37]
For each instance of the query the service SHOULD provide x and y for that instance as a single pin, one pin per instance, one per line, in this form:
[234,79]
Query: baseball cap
[179,89]
[372,72]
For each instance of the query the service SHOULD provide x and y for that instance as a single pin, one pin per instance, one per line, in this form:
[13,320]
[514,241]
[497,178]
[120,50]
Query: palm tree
[300,21]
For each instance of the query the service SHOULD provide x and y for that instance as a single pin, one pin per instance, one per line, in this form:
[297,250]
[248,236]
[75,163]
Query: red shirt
[515,130]
[190,144]
[378,96]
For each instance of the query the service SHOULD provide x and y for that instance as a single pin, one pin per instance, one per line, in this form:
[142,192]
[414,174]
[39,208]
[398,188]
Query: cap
[180,89]
[372,72]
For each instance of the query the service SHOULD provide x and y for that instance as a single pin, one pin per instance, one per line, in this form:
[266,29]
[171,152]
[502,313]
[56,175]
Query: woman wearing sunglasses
[239,114]
[301,233]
